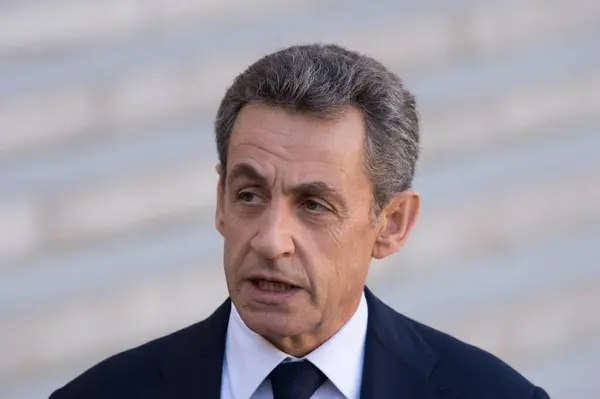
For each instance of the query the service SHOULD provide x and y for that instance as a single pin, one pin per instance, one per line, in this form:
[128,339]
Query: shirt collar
[250,358]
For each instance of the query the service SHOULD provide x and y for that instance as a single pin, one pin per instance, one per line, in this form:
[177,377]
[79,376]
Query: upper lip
[271,277]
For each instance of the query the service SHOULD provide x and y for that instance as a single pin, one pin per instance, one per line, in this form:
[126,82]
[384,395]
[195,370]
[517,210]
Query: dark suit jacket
[403,359]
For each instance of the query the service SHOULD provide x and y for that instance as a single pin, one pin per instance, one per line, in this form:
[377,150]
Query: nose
[274,237]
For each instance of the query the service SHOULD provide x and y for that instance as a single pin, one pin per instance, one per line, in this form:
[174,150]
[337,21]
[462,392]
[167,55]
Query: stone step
[474,22]
[463,109]
[35,29]
[472,286]
[465,25]
[99,92]
[501,214]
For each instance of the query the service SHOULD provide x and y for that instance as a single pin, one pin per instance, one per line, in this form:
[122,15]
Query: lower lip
[261,295]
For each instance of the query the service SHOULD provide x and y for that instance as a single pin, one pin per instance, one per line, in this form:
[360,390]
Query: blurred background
[107,181]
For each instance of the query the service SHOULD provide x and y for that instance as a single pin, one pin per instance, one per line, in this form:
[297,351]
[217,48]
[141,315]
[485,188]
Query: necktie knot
[296,380]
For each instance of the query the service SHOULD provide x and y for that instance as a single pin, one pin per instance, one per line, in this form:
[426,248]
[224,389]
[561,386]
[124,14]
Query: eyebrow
[244,170]
[312,188]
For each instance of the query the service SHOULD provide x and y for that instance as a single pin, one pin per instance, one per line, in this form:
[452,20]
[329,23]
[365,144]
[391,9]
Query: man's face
[295,212]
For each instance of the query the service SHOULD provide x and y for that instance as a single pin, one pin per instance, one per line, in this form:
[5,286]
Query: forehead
[274,139]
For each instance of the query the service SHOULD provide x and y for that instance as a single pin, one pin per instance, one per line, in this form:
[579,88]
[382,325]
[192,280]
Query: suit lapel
[193,365]
[398,362]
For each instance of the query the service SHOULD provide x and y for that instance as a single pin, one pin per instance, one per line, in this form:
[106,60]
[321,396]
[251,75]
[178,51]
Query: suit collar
[398,362]
[249,358]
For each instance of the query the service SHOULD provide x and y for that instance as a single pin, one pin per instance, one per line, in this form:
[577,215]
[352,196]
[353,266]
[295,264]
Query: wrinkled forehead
[284,174]
[297,147]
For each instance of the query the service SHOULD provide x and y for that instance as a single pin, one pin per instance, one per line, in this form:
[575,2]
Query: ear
[397,220]
[219,216]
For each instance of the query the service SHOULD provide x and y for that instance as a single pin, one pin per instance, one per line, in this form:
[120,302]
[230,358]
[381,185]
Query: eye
[248,197]
[314,206]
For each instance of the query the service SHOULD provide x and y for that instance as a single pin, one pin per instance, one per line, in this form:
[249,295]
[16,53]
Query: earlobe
[397,221]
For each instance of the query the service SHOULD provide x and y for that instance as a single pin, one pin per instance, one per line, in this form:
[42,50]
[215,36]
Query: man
[317,151]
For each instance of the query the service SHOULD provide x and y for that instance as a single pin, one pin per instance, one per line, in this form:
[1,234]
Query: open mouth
[273,286]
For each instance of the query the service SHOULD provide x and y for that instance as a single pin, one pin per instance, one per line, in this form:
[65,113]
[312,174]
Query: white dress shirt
[249,359]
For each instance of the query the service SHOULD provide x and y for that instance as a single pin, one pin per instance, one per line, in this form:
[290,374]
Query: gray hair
[322,81]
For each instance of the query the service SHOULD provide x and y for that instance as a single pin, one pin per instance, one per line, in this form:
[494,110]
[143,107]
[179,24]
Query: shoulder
[133,371]
[447,361]
[474,371]
[141,371]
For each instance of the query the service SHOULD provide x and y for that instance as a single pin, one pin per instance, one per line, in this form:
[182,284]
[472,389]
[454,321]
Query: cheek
[348,250]
[233,249]
[325,254]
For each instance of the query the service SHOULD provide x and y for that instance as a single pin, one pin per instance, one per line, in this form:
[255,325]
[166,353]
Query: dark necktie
[296,380]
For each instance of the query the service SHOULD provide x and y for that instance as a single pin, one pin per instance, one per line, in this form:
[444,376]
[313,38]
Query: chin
[273,324]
